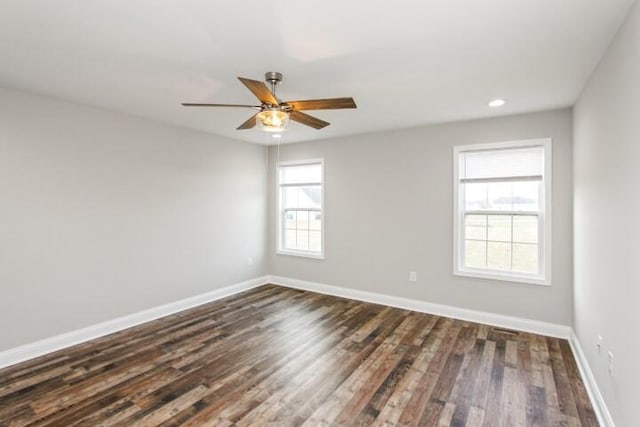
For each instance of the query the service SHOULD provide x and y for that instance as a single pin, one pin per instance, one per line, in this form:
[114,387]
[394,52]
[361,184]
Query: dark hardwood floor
[277,356]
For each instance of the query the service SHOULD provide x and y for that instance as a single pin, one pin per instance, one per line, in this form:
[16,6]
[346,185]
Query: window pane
[499,255]
[475,196]
[315,219]
[499,196]
[289,197]
[525,258]
[526,195]
[315,195]
[499,228]
[475,227]
[503,196]
[309,197]
[290,239]
[303,220]
[303,240]
[301,197]
[525,229]
[290,220]
[475,254]
[315,239]
[300,173]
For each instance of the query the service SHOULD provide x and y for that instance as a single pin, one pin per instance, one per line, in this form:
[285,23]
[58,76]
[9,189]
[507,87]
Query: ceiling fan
[274,114]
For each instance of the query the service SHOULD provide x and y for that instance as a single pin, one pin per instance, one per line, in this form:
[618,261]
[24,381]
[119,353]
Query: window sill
[302,254]
[502,277]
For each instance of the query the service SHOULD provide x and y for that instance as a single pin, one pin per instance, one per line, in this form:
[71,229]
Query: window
[502,196]
[300,219]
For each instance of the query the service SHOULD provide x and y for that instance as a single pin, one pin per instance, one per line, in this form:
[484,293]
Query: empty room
[340,213]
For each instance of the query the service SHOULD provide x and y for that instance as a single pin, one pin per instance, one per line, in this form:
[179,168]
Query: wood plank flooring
[278,356]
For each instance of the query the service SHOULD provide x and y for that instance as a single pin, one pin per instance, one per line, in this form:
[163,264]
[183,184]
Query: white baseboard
[599,406]
[526,325]
[58,342]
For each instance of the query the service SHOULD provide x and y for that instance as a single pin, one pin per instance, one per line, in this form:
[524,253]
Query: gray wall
[607,215]
[103,214]
[389,211]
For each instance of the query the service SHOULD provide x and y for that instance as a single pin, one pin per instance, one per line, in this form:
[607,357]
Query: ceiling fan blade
[191,104]
[308,120]
[260,90]
[323,104]
[251,122]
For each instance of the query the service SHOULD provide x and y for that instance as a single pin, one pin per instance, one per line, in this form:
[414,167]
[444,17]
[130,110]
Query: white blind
[525,163]
[299,174]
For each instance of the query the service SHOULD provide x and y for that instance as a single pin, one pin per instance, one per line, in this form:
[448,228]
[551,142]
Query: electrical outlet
[599,343]
[413,276]
[250,261]
[610,356]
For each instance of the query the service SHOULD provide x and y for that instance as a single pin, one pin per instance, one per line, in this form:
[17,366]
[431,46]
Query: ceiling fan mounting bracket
[273,77]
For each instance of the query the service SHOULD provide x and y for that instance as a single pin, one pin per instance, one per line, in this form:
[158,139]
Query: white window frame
[280,217]
[544,218]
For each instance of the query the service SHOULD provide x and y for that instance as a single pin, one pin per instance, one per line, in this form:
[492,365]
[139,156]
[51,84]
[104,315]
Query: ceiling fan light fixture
[273,120]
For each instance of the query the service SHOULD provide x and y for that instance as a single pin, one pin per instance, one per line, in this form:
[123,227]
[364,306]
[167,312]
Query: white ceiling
[406,63]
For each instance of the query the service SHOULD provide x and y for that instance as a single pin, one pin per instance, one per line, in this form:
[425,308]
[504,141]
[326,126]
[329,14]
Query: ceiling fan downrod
[274,78]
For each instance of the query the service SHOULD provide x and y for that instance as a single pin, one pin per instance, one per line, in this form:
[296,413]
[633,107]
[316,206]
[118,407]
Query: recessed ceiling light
[276,135]
[496,103]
